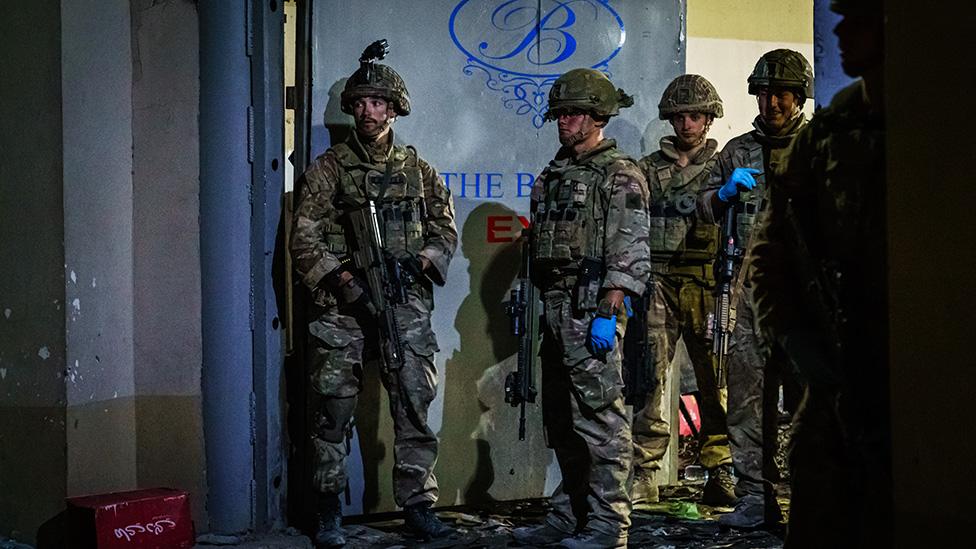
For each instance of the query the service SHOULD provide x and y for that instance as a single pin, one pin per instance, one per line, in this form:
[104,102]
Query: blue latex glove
[741,179]
[628,307]
[602,334]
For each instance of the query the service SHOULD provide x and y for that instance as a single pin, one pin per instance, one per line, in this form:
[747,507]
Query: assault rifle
[637,360]
[730,255]
[384,280]
[520,383]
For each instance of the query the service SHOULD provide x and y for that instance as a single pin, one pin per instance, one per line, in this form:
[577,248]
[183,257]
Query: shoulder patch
[634,201]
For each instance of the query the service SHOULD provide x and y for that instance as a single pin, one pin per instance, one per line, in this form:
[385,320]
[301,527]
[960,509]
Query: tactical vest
[755,150]
[750,155]
[676,239]
[399,201]
[568,217]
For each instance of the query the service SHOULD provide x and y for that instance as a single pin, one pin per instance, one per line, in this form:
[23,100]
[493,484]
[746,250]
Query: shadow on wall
[651,139]
[301,401]
[480,453]
[337,123]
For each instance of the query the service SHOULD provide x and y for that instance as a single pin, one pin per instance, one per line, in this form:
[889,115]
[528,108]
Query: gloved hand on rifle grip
[603,333]
[354,293]
[348,289]
[411,264]
[742,179]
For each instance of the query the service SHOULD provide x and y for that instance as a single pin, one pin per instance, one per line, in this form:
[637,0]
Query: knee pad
[335,416]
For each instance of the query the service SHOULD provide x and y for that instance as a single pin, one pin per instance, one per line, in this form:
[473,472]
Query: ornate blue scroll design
[523,94]
[547,45]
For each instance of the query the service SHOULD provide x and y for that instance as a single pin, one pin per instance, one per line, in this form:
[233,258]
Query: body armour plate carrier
[568,218]
[399,202]
[750,155]
[676,237]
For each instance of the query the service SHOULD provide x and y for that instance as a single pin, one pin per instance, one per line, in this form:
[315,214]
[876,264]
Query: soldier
[821,292]
[416,218]
[781,81]
[682,256]
[589,251]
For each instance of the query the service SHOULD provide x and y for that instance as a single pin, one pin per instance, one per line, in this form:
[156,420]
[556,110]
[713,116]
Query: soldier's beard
[568,140]
[584,133]
[371,132]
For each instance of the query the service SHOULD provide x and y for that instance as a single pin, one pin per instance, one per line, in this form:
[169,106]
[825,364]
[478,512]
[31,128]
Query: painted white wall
[727,63]
[97,110]
[166,206]
[727,37]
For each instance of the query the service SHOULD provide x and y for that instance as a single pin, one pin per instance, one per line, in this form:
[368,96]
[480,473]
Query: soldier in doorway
[821,293]
[781,81]
[589,244]
[682,256]
[414,215]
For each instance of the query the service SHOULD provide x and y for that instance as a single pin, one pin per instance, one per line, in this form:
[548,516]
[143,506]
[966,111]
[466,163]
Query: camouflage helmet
[783,68]
[588,90]
[375,80]
[690,93]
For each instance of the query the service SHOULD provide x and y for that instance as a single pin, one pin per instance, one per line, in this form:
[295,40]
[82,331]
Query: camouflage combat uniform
[755,368]
[682,256]
[830,191]
[418,217]
[593,206]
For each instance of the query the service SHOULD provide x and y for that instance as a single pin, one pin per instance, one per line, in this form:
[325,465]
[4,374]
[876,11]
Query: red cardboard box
[152,518]
[691,404]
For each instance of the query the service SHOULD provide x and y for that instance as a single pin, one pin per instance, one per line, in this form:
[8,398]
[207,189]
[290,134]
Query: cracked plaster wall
[99,269]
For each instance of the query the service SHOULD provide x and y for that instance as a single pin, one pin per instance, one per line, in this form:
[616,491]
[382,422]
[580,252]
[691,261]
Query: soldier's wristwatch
[606,309]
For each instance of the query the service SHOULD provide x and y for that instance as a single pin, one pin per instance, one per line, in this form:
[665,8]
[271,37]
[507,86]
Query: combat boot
[644,490]
[719,490]
[535,536]
[329,516]
[752,512]
[423,523]
[591,539]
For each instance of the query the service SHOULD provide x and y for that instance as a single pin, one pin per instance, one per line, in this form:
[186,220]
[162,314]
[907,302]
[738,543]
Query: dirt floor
[679,521]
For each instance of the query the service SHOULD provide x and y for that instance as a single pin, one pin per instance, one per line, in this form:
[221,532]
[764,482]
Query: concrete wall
[98,245]
[99,274]
[727,37]
[33,469]
[166,256]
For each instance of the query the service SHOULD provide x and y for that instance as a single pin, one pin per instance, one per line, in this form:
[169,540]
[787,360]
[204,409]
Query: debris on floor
[673,525]
[7,543]
[289,539]
[679,521]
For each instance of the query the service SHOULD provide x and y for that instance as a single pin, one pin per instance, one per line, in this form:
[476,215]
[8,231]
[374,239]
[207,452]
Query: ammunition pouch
[746,220]
[403,226]
[589,280]
[559,237]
